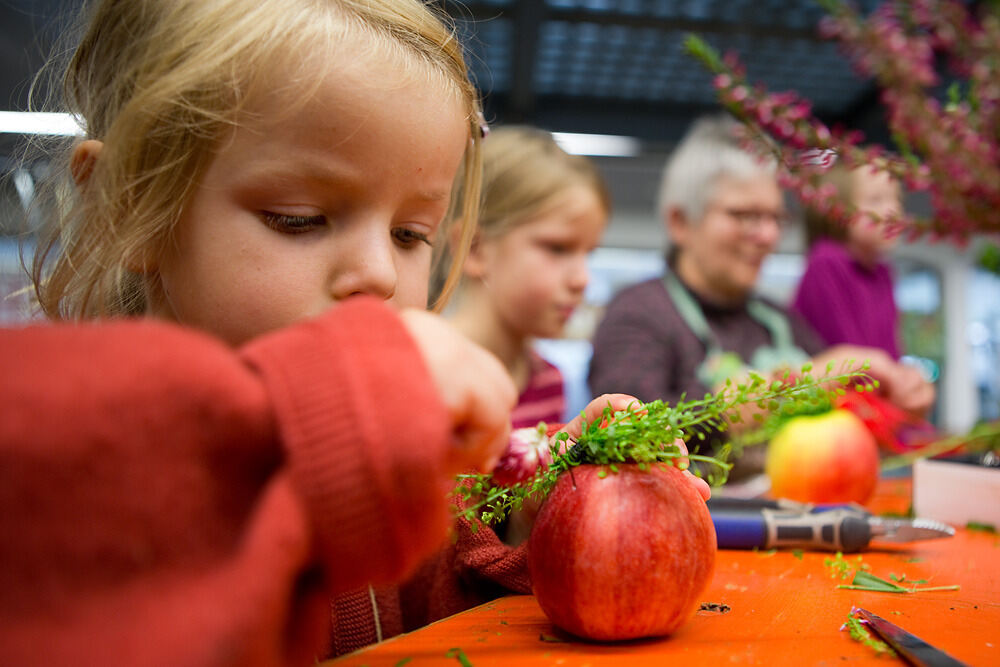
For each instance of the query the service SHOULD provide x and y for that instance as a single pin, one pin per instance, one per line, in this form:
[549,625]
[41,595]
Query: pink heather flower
[951,152]
[527,449]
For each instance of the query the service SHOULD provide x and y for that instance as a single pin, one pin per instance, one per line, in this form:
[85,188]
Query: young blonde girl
[846,292]
[543,212]
[271,174]
[265,422]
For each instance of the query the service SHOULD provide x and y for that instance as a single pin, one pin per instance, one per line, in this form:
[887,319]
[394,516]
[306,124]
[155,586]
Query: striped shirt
[543,399]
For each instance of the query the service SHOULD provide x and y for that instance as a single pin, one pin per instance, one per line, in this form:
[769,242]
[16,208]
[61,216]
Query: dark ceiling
[598,66]
[28,29]
[590,66]
[618,67]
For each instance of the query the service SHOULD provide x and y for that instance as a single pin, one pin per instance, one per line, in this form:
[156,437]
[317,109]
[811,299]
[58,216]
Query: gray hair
[710,150]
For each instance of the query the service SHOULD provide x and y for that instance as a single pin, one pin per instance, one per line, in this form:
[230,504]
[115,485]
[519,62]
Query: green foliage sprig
[862,634]
[644,434]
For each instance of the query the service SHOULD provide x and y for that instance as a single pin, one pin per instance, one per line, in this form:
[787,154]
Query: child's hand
[476,390]
[595,409]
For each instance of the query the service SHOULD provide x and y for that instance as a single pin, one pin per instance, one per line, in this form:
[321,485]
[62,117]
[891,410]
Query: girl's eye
[556,248]
[409,238]
[293,224]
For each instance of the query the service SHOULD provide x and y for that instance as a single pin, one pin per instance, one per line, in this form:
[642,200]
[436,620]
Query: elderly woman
[700,323]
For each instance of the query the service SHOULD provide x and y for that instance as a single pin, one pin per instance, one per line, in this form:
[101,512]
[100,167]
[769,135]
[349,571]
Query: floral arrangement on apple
[623,544]
[822,454]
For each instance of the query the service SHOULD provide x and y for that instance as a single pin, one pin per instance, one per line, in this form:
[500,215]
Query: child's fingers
[480,446]
[476,390]
[700,485]
[595,409]
[910,391]
[481,398]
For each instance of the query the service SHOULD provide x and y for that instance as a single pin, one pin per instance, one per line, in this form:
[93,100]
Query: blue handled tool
[772,525]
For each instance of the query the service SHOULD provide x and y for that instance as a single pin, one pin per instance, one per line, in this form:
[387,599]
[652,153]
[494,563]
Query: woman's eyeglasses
[752,219]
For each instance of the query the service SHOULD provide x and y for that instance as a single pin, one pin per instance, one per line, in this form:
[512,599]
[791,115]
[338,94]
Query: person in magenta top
[846,292]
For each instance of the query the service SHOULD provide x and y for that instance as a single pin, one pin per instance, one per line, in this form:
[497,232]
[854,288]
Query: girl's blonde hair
[524,170]
[821,225]
[161,82]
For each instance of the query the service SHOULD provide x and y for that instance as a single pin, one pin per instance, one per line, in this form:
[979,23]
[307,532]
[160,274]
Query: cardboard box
[956,493]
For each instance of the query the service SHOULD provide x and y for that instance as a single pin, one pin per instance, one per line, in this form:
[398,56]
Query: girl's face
[876,193]
[536,273]
[300,210]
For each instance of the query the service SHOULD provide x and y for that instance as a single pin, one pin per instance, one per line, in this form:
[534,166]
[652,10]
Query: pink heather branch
[950,149]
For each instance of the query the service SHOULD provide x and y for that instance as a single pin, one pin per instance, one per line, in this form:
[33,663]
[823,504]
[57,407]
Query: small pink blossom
[527,449]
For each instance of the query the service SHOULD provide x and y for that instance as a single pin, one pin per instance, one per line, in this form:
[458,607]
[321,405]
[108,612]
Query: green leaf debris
[860,633]
[459,655]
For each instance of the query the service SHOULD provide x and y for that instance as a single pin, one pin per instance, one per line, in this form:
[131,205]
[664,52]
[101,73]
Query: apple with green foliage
[830,457]
[621,553]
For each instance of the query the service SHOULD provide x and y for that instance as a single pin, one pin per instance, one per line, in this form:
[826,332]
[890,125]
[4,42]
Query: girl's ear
[473,264]
[84,159]
[475,261]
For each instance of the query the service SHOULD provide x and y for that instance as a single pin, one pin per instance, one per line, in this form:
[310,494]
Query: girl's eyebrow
[317,172]
[433,195]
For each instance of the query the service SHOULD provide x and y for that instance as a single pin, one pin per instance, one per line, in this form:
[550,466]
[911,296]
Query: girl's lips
[565,311]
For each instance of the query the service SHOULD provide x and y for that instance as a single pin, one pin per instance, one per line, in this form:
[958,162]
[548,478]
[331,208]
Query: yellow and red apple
[826,458]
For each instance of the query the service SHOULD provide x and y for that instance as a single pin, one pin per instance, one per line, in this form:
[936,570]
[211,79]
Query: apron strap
[691,312]
[781,350]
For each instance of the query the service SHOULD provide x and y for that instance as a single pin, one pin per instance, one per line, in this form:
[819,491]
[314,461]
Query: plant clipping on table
[623,544]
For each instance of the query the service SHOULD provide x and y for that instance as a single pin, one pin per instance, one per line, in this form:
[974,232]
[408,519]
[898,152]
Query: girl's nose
[579,273]
[364,264]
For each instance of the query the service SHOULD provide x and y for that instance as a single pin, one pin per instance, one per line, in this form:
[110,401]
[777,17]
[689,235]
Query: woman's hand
[909,391]
[476,389]
[902,385]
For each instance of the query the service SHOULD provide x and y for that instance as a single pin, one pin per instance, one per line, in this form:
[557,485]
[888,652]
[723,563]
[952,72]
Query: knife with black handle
[913,649]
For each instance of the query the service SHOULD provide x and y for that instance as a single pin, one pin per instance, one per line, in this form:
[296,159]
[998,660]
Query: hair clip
[484,128]
[818,157]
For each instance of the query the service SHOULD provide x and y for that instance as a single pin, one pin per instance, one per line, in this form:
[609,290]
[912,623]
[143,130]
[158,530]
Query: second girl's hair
[524,170]
[710,151]
[820,225]
[160,83]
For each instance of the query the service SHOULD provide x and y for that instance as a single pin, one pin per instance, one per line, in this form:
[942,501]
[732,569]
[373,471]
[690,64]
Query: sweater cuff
[366,437]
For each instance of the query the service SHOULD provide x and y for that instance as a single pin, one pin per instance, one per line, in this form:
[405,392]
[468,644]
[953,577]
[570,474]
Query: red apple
[827,458]
[621,556]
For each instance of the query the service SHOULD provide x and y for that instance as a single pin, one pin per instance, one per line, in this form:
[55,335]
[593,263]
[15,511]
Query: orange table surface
[784,609]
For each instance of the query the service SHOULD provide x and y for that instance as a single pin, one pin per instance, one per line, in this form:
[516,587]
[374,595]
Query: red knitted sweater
[167,500]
